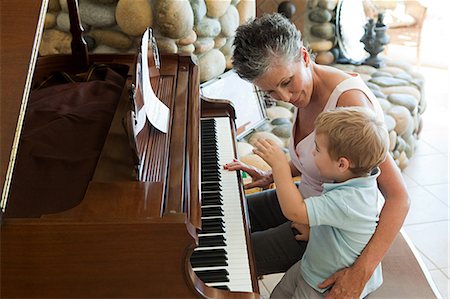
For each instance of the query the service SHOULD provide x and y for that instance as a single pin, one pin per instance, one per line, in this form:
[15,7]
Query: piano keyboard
[221,260]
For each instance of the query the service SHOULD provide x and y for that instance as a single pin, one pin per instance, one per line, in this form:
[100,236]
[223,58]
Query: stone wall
[204,28]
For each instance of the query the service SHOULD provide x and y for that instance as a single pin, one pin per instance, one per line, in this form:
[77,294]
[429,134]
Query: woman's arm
[350,282]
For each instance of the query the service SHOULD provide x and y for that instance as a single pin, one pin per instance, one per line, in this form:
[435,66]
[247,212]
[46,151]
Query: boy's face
[328,167]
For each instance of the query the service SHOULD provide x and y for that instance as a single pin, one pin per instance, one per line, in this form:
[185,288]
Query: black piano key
[213,220]
[208,177]
[208,276]
[211,241]
[222,287]
[208,262]
[212,202]
[217,229]
[212,211]
[212,187]
[207,253]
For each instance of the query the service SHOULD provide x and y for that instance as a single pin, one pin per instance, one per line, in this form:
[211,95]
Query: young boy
[350,143]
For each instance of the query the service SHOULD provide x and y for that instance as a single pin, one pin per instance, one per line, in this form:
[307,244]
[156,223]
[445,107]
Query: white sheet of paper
[157,113]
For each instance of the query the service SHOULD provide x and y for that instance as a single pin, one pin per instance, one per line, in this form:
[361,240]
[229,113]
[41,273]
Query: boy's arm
[291,201]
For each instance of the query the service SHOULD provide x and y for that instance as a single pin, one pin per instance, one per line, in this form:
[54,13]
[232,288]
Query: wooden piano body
[133,232]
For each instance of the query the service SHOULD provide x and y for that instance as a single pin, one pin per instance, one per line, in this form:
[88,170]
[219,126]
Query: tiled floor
[426,176]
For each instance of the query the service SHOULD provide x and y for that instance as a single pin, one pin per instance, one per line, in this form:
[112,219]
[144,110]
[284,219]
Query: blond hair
[356,134]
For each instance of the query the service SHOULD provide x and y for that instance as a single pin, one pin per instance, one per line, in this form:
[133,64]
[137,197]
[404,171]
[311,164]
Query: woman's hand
[270,152]
[347,283]
[303,231]
[259,178]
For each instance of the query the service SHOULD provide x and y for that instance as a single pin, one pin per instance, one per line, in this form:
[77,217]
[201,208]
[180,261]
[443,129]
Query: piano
[158,217]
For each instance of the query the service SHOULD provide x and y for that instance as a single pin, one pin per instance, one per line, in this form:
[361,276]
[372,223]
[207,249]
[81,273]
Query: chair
[405,34]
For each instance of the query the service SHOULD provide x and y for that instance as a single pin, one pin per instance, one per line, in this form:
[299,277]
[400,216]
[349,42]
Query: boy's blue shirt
[342,220]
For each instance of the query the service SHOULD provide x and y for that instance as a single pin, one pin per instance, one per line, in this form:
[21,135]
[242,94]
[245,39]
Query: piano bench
[404,273]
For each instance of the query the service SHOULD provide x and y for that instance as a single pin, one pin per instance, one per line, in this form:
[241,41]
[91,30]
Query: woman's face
[287,82]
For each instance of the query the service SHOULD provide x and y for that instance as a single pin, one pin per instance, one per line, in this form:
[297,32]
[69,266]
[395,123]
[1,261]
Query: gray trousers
[292,285]
[274,246]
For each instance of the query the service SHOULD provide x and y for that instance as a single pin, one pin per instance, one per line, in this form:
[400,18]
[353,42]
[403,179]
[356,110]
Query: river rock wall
[204,28]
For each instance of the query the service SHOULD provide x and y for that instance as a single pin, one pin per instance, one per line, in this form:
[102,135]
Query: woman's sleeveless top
[301,153]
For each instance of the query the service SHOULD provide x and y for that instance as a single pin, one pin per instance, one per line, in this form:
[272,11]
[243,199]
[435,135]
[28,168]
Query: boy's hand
[269,152]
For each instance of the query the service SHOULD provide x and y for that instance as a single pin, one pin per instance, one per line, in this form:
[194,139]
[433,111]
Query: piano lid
[20,37]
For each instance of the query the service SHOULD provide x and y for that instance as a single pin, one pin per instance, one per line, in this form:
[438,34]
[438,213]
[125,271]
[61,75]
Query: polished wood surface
[19,28]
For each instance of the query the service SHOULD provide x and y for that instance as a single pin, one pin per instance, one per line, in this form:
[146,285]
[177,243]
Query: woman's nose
[284,95]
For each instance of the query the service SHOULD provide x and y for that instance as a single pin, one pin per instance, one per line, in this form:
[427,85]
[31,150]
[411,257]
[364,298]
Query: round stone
[63,22]
[403,118]
[321,46]
[50,21]
[53,5]
[55,42]
[216,9]
[327,4]
[114,39]
[283,131]
[229,21]
[324,58]
[406,100]
[390,122]
[325,30]
[97,14]
[244,149]
[167,45]
[280,121]
[203,44]
[392,140]
[247,10]
[174,18]
[382,74]
[388,81]
[391,69]
[278,112]
[188,39]
[212,64]
[385,104]
[134,16]
[365,69]
[219,42]
[319,15]
[411,90]
[198,9]
[255,161]
[186,49]
[379,94]
[208,27]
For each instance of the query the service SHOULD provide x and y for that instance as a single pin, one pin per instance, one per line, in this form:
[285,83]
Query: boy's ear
[343,164]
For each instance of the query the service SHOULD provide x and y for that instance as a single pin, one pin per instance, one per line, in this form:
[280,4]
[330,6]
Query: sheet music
[157,113]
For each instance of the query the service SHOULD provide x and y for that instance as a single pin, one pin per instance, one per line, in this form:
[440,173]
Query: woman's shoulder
[332,77]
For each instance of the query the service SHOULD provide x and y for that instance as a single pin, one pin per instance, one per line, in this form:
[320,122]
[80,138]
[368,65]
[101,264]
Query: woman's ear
[305,56]
[343,164]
